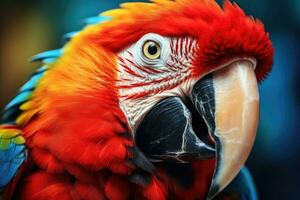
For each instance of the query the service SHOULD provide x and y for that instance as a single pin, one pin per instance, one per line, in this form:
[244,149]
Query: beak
[228,101]
[225,104]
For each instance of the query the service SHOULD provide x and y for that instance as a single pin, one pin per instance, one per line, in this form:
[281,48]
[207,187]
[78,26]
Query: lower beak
[166,133]
[228,101]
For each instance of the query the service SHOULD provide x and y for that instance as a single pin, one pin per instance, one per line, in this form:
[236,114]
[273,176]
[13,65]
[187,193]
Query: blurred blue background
[29,27]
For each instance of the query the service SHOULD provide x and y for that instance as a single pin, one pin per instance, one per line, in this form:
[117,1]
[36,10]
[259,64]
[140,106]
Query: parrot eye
[151,50]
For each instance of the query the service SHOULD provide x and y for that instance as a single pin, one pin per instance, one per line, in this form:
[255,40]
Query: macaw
[153,101]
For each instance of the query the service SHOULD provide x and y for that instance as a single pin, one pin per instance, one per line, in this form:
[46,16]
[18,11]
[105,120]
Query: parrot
[151,101]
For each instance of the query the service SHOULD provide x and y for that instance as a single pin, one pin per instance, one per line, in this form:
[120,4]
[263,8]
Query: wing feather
[12,153]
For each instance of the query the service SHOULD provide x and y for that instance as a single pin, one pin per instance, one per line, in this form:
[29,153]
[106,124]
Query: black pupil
[152,49]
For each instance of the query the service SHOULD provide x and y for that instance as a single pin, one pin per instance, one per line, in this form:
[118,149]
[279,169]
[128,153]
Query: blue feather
[41,69]
[10,161]
[29,85]
[9,116]
[12,110]
[96,20]
[12,152]
[49,60]
[250,187]
[47,54]
[68,36]
[22,97]
[243,184]
[10,168]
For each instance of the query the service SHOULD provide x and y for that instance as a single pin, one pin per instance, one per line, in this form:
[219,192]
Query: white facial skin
[144,81]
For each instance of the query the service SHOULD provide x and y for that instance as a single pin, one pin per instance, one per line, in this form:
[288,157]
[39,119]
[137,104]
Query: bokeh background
[30,26]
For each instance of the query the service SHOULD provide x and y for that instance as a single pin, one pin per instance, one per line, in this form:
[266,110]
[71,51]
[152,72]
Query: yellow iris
[151,50]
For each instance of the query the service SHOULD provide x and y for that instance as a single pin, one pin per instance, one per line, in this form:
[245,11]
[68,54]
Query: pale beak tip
[213,191]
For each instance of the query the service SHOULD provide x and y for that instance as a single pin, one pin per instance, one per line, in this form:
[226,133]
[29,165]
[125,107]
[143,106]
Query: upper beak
[228,100]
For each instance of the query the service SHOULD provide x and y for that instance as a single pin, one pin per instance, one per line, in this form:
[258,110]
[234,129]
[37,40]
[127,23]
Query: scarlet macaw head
[187,80]
[182,75]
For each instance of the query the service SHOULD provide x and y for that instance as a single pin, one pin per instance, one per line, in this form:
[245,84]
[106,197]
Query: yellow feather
[23,118]
[134,5]
[26,106]
[19,140]
[4,143]
[162,1]
[7,136]
[114,13]
[9,133]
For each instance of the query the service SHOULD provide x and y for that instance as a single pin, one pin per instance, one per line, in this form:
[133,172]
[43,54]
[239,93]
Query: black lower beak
[166,133]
